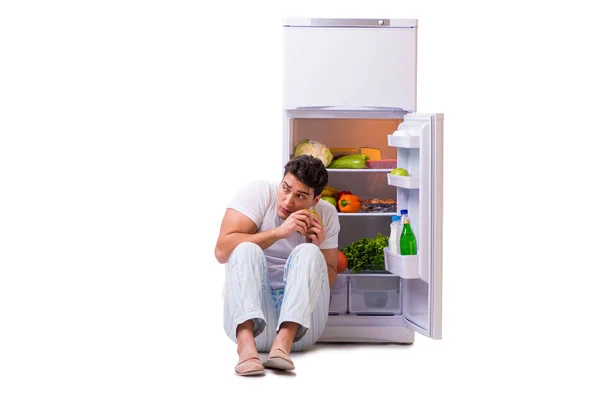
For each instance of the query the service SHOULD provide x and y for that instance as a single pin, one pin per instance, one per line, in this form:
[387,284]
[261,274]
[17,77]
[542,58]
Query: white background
[126,126]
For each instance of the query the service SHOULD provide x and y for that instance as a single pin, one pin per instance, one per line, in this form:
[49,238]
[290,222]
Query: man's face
[294,195]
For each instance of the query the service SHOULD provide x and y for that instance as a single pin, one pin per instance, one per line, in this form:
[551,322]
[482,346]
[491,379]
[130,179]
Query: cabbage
[315,149]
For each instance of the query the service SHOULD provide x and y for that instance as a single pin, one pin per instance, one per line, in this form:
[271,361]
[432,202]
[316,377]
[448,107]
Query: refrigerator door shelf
[404,182]
[409,142]
[406,267]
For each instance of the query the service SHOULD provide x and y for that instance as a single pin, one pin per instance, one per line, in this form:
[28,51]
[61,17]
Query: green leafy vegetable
[366,253]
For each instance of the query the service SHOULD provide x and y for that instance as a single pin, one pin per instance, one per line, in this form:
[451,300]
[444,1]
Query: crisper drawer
[379,294]
[339,296]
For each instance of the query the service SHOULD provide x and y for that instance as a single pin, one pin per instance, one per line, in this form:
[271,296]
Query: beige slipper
[278,359]
[250,366]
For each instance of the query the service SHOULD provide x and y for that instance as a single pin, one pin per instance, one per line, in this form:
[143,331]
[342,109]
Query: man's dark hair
[308,170]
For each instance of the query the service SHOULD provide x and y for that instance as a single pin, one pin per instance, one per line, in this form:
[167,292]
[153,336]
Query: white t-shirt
[258,201]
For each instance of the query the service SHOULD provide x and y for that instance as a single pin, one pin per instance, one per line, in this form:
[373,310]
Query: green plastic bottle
[408,242]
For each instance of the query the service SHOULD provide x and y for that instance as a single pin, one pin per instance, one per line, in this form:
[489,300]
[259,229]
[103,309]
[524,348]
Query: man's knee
[247,248]
[248,255]
[307,249]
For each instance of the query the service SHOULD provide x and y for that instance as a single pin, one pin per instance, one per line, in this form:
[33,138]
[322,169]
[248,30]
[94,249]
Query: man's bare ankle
[285,337]
[245,339]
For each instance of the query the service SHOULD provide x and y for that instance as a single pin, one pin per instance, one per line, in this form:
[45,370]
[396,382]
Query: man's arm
[331,258]
[316,235]
[237,228]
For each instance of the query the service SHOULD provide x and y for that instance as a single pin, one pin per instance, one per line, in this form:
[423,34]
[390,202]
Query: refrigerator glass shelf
[367,214]
[358,170]
[367,272]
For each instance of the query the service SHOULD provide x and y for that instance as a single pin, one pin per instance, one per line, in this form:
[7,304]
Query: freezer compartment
[350,67]
[374,294]
[406,267]
[339,296]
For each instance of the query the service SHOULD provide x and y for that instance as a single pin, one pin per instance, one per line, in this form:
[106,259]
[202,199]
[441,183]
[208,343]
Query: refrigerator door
[422,297]
[350,64]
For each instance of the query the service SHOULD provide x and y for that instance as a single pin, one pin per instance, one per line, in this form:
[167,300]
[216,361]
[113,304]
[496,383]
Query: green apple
[330,200]
[399,172]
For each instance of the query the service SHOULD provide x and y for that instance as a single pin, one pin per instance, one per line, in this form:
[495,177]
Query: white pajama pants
[247,295]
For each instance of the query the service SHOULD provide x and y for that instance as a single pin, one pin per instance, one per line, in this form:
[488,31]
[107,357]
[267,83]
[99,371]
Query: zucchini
[351,161]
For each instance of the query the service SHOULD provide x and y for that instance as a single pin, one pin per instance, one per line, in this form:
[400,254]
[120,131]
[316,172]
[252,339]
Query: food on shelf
[373,153]
[399,172]
[343,192]
[387,163]
[379,201]
[315,149]
[342,151]
[366,253]
[378,205]
[330,191]
[349,203]
[342,262]
[352,161]
[330,199]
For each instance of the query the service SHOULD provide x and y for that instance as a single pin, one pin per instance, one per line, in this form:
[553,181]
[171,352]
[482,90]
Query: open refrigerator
[351,83]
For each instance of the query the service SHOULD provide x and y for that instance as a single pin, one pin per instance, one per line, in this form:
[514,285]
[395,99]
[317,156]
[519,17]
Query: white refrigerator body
[321,65]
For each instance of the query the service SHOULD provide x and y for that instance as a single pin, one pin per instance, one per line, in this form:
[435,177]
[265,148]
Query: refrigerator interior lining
[358,294]
[354,228]
[347,132]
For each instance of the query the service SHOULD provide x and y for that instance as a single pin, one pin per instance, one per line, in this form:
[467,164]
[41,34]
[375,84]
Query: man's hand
[299,221]
[315,233]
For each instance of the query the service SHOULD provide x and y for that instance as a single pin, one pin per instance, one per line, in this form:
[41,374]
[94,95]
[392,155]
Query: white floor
[159,335]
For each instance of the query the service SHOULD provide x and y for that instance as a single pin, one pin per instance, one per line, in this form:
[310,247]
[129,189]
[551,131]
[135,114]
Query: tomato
[342,263]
